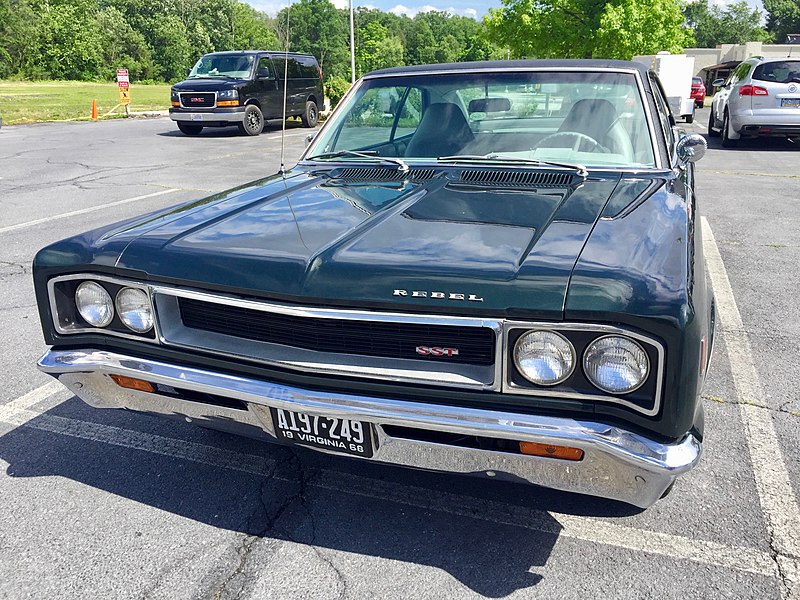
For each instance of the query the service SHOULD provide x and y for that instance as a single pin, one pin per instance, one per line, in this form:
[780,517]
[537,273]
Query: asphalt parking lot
[107,504]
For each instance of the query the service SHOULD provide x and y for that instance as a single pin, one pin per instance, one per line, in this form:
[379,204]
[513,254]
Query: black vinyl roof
[495,65]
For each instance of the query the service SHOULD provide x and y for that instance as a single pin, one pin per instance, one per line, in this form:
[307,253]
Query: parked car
[453,277]
[245,88]
[698,93]
[760,98]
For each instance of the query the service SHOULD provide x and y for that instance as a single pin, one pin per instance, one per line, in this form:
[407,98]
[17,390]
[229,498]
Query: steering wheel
[579,139]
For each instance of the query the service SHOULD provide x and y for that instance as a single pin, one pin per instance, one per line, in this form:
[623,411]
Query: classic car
[487,268]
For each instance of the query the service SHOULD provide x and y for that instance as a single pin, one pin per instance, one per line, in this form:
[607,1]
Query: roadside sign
[124,84]
[124,95]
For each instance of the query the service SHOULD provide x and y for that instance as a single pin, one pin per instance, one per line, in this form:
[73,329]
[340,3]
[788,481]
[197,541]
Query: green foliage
[735,24]
[376,49]
[587,28]
[317,27]
[335,89]
[783,17]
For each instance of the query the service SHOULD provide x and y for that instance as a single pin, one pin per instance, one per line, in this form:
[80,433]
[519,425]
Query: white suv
[760,98]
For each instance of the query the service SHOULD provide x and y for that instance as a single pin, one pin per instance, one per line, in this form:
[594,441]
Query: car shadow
[765,144]
[272,126]
[489,535]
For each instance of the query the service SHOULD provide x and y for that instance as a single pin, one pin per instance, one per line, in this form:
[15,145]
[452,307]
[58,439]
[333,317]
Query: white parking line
[83,211]
[775,492]
[569,526]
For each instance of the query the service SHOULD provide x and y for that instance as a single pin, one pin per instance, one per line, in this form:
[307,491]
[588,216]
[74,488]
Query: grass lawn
[33,102]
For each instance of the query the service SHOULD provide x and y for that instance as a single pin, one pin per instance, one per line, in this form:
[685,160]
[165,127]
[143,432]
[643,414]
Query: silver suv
[760,98]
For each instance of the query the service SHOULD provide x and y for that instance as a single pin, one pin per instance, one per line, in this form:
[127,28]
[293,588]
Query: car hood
[439,243]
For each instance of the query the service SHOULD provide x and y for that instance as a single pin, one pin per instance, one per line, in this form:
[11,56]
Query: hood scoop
[363,174]
[516,178]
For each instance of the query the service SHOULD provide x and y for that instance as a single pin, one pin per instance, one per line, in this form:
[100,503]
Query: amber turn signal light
[175,103]
[133,384]
[549,450]
[228,103]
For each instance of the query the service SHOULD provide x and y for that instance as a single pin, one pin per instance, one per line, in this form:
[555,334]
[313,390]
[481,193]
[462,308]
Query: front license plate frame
[196,117]
[343,436]
[790,102]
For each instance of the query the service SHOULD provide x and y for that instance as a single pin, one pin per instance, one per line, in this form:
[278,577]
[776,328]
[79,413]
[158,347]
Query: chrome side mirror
[309,139]
[718,82]
[691,148]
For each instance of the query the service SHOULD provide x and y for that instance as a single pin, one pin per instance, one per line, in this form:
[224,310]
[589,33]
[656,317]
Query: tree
[69,41]
[783,17]
[123,47]
[376,49]
[586,28]
[735,24]
[18,37]
[252,29]
[317,27]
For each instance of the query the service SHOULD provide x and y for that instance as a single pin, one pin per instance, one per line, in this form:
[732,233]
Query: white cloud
[401,9]
[341,3]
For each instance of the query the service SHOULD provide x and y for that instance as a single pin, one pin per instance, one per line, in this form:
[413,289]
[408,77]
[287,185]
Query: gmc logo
[436,351]
[201,100]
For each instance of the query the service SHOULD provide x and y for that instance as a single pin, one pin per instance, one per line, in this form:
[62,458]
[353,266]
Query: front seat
[598,119]
[442,131]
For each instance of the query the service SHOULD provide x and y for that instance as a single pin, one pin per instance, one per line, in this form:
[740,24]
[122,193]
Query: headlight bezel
[63,309]
[228,95]
[645,400]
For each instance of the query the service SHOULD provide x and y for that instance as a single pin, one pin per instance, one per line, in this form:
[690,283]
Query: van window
[308,67]
[294,67]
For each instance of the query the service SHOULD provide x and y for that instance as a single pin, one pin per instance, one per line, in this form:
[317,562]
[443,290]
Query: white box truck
[675,72]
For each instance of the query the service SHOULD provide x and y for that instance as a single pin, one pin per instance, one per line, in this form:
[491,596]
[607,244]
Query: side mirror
[691,148]
[188,72]
[309,139]
[264,74]
[718,82]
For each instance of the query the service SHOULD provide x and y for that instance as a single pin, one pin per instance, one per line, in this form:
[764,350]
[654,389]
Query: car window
[381,115]
[591,117]
[294,66]
[784,71]
[741,72]
[231,66]
[264,63]
[308,67]
[664,120]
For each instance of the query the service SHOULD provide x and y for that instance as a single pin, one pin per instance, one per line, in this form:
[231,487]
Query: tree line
[158,40]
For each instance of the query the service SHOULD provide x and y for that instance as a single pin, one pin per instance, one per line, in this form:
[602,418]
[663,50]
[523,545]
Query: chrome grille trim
[465,376]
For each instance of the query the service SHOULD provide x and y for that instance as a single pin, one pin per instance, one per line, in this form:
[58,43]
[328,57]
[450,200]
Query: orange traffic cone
[94,110]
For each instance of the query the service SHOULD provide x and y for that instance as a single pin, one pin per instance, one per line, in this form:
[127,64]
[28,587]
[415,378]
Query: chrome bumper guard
[617,464]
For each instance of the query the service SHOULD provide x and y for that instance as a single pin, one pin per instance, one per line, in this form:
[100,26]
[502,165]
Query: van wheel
[189,129]
[311,116]
[253,123]
[727,142]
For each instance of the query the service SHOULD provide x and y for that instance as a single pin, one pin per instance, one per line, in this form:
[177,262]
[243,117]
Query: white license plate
[790,102]
[338,435]
[196,117]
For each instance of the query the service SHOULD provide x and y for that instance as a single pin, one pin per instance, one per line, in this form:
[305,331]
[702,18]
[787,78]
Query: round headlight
[617,365]
[544,357]
[133,308]
[94,304]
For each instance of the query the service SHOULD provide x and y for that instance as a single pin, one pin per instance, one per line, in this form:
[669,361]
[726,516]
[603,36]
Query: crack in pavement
[780,409]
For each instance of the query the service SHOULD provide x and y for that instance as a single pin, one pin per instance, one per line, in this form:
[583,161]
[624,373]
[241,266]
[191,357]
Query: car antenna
[282,170]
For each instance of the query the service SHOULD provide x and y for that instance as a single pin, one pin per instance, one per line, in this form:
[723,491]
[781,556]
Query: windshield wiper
[371,154]
[582,170]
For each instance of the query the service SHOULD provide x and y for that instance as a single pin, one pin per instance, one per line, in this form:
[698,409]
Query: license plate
[338,435]
[790,102]
[196,117]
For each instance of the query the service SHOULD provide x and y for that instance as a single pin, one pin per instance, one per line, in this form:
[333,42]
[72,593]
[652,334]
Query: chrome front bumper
[617,464]
[235,115]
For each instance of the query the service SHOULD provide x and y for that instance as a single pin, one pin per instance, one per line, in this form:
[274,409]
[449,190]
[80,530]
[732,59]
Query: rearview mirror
[691,148]
[486,105]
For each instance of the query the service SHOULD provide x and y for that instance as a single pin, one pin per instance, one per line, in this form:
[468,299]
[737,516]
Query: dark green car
[485,268]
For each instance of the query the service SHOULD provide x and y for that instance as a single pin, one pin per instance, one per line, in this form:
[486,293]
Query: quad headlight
[228,95]
[544,357]
[616,364]
[94,304]
[134,309]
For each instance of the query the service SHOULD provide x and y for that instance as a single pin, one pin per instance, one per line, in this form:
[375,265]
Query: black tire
[726,141]
[310,117]
[253,123]
[690,118]
[711,131]
[189,129]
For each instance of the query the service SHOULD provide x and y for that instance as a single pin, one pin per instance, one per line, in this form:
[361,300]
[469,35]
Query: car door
[281,64]
[266,90]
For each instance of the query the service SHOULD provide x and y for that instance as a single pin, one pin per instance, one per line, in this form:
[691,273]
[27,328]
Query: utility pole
[352,47]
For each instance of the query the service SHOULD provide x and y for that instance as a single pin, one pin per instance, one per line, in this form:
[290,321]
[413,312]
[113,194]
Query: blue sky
[469,8]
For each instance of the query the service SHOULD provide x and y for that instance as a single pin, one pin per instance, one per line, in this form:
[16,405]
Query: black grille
[382,174]
[516,178]
[198,100]
[475,345]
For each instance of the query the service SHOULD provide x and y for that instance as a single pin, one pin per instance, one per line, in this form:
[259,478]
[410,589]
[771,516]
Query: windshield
[589,118]
[232,66]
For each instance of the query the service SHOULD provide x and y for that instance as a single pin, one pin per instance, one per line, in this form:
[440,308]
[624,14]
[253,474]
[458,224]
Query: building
[712,63]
